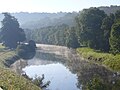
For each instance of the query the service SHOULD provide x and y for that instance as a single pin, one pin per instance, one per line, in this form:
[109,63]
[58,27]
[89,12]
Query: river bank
[105,59]
[85,72]
[10,80]
[10,67]
[90,76]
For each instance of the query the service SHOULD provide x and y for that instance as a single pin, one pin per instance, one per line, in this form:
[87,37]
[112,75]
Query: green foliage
[89,27]
[115,38]
[71,38]
[113,63]
[117,16]
[109,60]
[96,84]
[106,27]
[26,51]
[32,46]
[11,34]
[4,55]
[55,35]
[108,10]
[11,81]
[21,52]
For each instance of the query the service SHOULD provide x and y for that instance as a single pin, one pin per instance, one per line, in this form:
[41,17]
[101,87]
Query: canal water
[52,65]
[59,76]
[66,70]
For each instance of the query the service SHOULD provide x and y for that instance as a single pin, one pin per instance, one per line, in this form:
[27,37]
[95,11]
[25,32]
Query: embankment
[108,60]
[10,80]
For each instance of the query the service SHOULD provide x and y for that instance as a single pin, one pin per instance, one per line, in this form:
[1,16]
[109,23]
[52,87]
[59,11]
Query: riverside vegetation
[93,28]
[106,59]
[10,80]
[13,49]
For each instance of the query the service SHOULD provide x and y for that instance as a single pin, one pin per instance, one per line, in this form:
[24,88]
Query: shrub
[26,51]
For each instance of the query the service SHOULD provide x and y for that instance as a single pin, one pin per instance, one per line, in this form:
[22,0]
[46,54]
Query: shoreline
[107,60]
[10,79]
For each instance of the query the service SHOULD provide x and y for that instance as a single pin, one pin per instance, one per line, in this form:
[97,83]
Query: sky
[52,5]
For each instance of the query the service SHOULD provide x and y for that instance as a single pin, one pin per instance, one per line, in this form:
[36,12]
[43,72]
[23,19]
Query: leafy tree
[89,22]
[55,35]
[11,34]
[71,39]
[115,38]
[106,27]
[117,16]
[32,45]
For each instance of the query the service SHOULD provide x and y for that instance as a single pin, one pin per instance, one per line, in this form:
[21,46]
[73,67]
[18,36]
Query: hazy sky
[52,5]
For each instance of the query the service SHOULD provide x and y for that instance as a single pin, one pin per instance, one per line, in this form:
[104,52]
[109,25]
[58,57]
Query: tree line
[93,28]
[98,30]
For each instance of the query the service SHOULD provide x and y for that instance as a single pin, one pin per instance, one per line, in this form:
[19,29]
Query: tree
[89,22]
[32,46]
[106,27]
[71,39]
[11,34]
[117,16]
[115,38]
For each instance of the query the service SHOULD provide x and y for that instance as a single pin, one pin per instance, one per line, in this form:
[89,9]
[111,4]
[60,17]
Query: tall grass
[10,80]
[107,59]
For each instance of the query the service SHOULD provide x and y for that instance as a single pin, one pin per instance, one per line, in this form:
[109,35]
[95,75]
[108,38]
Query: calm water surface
[54,69]
[67,71]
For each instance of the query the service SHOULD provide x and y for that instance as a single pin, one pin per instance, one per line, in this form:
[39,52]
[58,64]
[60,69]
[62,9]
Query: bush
[26,51]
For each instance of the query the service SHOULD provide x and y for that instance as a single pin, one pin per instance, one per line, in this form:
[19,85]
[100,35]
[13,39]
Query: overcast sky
[52,5]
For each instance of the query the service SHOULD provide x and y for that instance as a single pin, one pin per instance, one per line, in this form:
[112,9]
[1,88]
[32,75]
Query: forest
[96,28]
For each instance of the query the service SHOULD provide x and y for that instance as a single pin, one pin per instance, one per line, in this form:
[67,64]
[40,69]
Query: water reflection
[59,76]
[29,55]
[50,56]
[81,74]
[18,65]
[53,67]
[92,76]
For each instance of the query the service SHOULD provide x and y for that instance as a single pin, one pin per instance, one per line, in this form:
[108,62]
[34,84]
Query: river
[65,70]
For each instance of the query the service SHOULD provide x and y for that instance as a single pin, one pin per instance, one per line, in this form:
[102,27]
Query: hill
[111,9]
[38,20]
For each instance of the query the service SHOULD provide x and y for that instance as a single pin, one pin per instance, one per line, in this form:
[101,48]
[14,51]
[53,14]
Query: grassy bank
[106,59]
[4,56]
[11,81]
[8,79]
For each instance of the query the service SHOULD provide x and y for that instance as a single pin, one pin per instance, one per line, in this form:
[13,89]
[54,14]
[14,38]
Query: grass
[5,55]
[106,59]
[9,80]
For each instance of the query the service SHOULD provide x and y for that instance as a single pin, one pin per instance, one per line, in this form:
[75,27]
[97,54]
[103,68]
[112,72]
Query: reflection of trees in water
[21,63]
[92,76]
[50,57]
[29,55]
